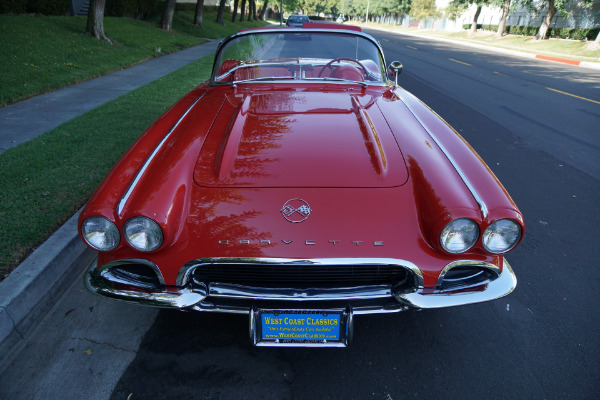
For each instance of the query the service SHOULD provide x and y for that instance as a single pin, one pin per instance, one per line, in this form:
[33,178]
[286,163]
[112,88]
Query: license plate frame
[301,327]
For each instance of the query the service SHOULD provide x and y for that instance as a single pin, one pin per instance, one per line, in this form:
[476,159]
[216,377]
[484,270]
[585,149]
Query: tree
[235,10]
[167,18]
[456,9]
[243,10]
[502,23]
[543,31]
[221,12]
[473,30]
[423,8]
[262,15]
[466,3]
[552,7]
[95,20]
[198,13]
[252,10]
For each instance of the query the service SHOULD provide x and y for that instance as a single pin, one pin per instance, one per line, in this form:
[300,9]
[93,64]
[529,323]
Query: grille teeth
[300,276]
[466,277]
[137,275]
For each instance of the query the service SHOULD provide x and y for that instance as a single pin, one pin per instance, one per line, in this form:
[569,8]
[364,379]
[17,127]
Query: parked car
[302,186]
[297,21]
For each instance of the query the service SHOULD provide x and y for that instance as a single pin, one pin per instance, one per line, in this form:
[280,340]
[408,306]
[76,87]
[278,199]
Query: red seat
[348,72]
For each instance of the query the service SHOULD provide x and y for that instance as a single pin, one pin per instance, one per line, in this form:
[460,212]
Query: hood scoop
[300,139]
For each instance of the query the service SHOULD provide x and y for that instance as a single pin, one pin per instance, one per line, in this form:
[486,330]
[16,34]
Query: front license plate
[327,328]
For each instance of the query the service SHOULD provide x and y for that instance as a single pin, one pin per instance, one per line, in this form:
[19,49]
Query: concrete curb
[516,53]
[31,290]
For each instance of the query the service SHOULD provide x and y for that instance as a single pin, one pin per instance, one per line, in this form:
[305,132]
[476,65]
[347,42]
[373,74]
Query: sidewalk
[30,291]
[30,118]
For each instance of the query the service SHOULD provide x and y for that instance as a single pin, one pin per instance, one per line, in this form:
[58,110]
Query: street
[536,126]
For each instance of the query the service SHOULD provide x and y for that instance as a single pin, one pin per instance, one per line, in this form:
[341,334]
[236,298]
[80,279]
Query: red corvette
[301,186]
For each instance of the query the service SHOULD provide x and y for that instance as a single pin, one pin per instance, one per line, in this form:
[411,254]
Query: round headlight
[459,235]
[100,233]
[143,234]
[501,236]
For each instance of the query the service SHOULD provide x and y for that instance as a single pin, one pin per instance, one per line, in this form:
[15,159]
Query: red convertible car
[302,186]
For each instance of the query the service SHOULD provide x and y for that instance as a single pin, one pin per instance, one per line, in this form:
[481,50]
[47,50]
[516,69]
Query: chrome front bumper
[369,299]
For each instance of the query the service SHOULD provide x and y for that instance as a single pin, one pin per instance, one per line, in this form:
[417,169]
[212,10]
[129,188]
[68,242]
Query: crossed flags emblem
[296,214]
[302,210]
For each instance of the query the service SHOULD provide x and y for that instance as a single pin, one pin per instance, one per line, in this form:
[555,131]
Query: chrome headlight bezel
[507,231]
[100,233]
[143,234]
[459,235]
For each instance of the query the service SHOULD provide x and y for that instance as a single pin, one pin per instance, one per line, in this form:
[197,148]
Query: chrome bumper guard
[502,285]
[232,298]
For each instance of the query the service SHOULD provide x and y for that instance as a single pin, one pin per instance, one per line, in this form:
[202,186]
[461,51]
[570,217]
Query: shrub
[574,33]
[130,8]
[45,7]
[522,30]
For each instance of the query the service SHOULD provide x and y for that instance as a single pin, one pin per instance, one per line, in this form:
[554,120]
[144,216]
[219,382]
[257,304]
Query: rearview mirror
[394,70]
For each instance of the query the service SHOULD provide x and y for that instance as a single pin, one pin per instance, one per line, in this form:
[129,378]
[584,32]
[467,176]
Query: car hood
[296,138]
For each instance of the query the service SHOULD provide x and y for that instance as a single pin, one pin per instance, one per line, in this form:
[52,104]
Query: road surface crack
[105,344]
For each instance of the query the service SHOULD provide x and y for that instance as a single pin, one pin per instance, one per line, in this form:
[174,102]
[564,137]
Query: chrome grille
[300,275]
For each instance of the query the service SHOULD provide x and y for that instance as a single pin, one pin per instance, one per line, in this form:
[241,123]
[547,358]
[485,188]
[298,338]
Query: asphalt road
[542,341]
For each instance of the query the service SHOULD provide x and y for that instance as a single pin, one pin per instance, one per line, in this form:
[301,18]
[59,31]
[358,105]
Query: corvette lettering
[305,242]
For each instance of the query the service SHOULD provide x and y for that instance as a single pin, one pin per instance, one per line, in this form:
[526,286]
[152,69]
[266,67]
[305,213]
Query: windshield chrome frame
[223,43]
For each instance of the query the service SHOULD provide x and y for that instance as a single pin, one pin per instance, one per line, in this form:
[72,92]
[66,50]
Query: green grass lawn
[573,49]
[45,181]
[567,48]
[41,53]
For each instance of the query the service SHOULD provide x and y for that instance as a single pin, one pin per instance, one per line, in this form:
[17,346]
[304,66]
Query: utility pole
[367,17]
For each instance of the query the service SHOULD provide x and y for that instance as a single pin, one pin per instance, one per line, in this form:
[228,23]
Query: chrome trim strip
[139,175]
[177,298]
[482,206]
[104,270]
[360,310]
[246,292]
[310,80]
[467,263]
[183,277]
[503,285]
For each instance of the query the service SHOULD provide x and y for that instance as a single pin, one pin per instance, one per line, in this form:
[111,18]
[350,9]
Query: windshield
[298,18]
[294,54]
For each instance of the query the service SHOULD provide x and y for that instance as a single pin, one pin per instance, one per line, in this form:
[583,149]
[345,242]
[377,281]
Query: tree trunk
[543,32]
[221,12]
[243,11]
[235,10]
[263,10]
[198,13]
[95,20]
[502,24]
[252,16]
[474,23]
[167,18]
[593,45]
